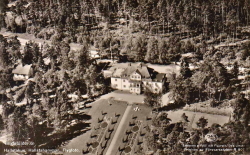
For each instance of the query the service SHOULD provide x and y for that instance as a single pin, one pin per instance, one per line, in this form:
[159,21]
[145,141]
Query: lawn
[193,117]
[131,135]
[204,107]
[98,107]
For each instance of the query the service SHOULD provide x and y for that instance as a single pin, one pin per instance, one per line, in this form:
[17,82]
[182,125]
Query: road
[124,96]
[132,98]
[24,38]
[113,143]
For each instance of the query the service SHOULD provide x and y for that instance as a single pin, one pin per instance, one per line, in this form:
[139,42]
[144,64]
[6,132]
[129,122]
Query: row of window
[134,85]
[116,80]
[146,83]
[135,89]
[135,77]
[131,85]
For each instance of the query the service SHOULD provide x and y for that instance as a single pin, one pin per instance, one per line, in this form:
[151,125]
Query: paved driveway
[132,98]
[124,96]
[111,150]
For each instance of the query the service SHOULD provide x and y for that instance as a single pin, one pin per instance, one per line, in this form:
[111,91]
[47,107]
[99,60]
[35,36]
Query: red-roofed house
[135,78]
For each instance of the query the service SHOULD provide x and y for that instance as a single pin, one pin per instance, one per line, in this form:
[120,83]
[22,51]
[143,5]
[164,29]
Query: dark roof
[118,72]
[23,70]
[159,77]
[140,68]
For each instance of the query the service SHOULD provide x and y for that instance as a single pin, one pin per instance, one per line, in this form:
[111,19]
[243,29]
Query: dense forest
[130,30]
[209,18]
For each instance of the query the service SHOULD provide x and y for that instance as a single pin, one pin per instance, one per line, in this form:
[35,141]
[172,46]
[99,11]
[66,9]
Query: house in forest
[94,53]
[21,73]
[136,78]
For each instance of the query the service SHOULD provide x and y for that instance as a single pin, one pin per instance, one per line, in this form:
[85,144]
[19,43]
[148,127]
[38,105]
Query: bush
[20,94]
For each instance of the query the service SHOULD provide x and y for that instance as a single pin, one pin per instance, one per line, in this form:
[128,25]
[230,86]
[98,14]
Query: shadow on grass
[172,106]
[57,139]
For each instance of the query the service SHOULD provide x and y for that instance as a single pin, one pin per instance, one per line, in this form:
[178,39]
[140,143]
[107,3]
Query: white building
[21,73]
[135,78]
[94,53]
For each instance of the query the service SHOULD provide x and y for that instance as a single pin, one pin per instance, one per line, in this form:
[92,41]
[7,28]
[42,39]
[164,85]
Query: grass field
[138,112]
[140,116]
[175,116]
[96,112]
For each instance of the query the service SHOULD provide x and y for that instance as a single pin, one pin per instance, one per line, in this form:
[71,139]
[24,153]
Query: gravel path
[111,150]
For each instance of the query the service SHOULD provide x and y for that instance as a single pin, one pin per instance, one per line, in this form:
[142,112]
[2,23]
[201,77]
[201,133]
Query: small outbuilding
[21,73]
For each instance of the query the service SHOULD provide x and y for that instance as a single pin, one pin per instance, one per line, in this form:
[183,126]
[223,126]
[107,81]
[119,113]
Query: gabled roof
[118,72]
[137,71]
[23,70]
[159,77]
[142,69]
[128,69]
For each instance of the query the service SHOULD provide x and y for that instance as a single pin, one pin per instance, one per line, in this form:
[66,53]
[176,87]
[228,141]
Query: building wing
[22,70]
[118,72]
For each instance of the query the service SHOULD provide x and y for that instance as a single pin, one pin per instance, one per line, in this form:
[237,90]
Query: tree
[152,99]
[29,90]
[127,48]
[182,92]
[194,139]
[4,56]
[31,53]
[6,79]
[235,70]
[67,84]
[82,57]
[184,118]
[240,105]
[164,56]
[152,55]
[66,64]
[140,48]
[90,78]
[14,47]
[202,123]
[212,80]
[185,70]
[17,125]
[1,123]
[161,120]
[3,7]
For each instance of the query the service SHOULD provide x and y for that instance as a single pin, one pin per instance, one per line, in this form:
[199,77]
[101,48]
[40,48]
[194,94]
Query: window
[115,79]
[124,86]
[123,80]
